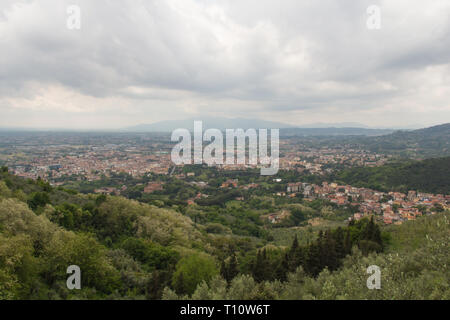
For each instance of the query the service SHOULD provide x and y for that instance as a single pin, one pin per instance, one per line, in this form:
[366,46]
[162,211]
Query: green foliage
[327,251]
[152,255]
[5,192]
[36,249]
[405,274]
[35,254]
[67,249]
[18,267]
[229,268]
[132,250]
[38,199]
[297,216]
[431,175]
[423,143]
[192,270]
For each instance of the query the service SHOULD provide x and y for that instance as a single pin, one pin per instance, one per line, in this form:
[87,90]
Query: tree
[297,216]
[191,271]
[258,267]
[340,245]
[38,199]
[67,248]
[372,232]
[313,264]
[229,268]
[294,256]
[294,245]
[347,242]
[329,251]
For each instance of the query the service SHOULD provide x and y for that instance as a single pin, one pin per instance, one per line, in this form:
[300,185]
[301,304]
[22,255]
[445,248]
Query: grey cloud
[284,56]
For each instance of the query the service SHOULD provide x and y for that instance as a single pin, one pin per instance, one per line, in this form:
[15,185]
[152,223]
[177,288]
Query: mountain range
[344,128]
[217,123]
[422,143]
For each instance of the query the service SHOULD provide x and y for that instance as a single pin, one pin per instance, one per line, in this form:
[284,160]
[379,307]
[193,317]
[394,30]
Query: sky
[130,62]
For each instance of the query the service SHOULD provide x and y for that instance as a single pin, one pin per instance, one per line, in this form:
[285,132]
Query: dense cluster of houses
[299,157]
[91,162]
[394,207]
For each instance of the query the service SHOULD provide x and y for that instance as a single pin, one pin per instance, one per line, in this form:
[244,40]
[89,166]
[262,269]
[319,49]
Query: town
[65,158]
[59,158]
[394,207]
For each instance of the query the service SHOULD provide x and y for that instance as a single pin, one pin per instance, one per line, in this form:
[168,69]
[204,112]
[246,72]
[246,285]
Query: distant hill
[334,132]
[217,123]
[422,143]
[322,129]
[334,125]
[430,175]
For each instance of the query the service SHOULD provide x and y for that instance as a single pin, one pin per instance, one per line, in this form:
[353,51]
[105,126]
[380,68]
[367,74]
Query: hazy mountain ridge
[430,175]
[423,143]
[286,129]
[217,123]
[334,131]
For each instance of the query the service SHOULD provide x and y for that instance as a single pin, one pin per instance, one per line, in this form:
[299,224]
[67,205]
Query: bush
[192,270]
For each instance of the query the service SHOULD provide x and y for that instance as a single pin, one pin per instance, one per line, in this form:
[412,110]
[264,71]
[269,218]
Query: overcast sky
[298,62]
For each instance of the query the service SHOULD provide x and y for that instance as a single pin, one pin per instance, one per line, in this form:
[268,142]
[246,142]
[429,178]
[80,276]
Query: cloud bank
[136,61]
